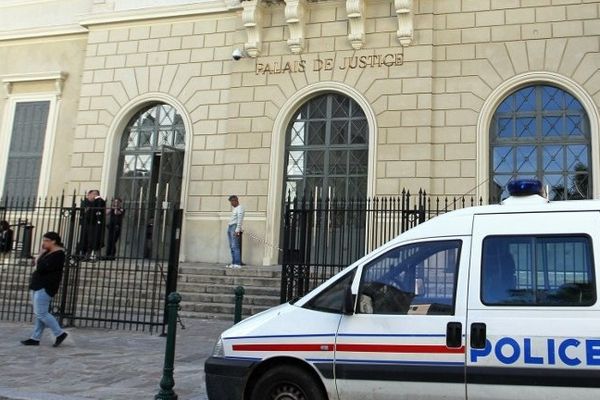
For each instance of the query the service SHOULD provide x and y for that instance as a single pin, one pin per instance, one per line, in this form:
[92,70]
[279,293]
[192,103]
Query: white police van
[493,302]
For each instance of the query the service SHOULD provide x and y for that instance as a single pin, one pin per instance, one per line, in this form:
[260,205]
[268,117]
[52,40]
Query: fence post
[27,239]
[285,268]
[167,381]
[70,283]
[173,261]
[239,298]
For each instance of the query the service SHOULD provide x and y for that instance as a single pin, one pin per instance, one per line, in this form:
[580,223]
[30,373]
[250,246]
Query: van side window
[538,271]
[418,278]
[332,299]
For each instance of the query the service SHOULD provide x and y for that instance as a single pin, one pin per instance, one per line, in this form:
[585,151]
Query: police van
[493,302]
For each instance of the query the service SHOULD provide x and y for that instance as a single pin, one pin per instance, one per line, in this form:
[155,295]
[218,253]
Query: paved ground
[103,364]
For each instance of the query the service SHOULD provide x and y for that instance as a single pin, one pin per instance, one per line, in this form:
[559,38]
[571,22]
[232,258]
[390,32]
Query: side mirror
[348,307]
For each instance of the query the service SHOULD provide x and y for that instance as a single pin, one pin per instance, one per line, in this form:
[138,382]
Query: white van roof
[459,222]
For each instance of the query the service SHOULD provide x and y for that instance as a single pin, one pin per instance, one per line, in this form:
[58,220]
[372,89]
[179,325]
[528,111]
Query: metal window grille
[541,132]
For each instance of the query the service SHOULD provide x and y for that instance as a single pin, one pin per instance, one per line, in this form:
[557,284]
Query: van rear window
[532,270]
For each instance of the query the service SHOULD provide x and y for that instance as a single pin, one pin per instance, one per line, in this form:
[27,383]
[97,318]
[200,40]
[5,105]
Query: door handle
[478,335]
[454,335]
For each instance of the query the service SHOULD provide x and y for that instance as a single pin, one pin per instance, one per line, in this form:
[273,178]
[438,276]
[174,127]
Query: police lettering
[570,352]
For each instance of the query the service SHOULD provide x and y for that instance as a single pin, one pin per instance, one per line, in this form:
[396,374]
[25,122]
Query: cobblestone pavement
[103,364]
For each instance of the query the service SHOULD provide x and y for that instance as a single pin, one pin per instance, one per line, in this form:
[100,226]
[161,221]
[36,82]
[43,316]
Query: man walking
[234,232]
[44,284]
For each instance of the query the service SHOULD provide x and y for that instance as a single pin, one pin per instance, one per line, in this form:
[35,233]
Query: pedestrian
[234,232]
[44,285]
[6,237]
[93,217]
[114,216]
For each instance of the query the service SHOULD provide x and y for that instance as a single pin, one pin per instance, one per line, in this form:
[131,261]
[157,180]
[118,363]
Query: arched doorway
[151,156]
[543,132]
[149,177]
[327,150]
[326,168]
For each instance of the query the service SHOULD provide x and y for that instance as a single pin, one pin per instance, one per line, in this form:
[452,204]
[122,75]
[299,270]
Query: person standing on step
[92,225]
[6,237]
[234,232]
[114,216]
[44,285]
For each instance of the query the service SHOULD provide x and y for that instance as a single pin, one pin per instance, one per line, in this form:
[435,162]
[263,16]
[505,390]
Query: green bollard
[167,381]
[239,298]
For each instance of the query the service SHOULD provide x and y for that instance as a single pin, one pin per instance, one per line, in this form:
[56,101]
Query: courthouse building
[356,98]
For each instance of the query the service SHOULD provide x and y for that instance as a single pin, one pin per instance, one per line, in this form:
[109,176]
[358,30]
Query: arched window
[541,132]
[151,156]
[327,149]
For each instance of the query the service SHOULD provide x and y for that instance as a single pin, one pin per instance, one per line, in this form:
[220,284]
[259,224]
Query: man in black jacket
[44,284]
[6,237]
[115,216]
[93,218]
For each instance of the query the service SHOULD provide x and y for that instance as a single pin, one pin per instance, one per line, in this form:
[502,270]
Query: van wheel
[286,383]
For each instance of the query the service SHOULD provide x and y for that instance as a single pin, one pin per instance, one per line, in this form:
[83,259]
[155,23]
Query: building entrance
[150,172]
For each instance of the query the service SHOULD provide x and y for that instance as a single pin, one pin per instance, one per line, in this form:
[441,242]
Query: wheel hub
[287,392]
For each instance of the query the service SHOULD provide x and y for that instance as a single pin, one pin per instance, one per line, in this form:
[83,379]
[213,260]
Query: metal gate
[320,238]
[126,290]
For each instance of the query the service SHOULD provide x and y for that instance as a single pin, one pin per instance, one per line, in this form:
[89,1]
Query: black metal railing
[122,289]
[323,236]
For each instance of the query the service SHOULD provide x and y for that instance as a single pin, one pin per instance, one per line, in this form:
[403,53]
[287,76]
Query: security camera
[238,54]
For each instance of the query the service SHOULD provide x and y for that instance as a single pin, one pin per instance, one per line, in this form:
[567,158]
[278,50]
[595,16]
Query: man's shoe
[228,266]
[30,342]
[59,339]
[236,266]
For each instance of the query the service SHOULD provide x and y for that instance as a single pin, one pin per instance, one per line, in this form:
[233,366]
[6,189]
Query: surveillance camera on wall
[238,54]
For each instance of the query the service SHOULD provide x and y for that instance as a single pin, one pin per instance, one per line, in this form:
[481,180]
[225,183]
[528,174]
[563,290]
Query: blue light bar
[524,187]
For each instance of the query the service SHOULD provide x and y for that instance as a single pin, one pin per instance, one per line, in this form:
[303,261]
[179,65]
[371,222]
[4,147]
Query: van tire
[286,382]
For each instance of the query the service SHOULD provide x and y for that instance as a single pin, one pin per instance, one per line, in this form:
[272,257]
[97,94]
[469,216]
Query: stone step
[109,304]
[184,287]
[220,308]
[207,290]
[230,280]
[199,315]
[267,301]
[253,272]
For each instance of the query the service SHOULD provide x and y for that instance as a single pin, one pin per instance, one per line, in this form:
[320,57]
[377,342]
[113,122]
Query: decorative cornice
[42,32]
[58,77]
[356,19]
[200,8]
[405,21]
[252,17]
[295,17]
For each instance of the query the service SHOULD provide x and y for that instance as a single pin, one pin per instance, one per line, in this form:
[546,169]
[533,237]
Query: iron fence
[323,236]
[117,271]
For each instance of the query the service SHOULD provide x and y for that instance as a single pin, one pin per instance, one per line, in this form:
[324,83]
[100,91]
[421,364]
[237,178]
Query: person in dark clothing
[44,285]
[6,237]
[92,222]
[114,217]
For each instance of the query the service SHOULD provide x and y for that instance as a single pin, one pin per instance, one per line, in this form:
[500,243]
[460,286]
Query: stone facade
[428,103]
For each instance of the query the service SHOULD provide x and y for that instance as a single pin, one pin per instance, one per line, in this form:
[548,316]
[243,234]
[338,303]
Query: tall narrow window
[541,132]
[327,149]
[26,149]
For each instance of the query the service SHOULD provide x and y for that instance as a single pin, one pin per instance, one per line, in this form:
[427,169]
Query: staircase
[207,290]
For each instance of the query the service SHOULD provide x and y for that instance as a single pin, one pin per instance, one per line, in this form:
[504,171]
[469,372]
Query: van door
[532,313]
[405,340]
